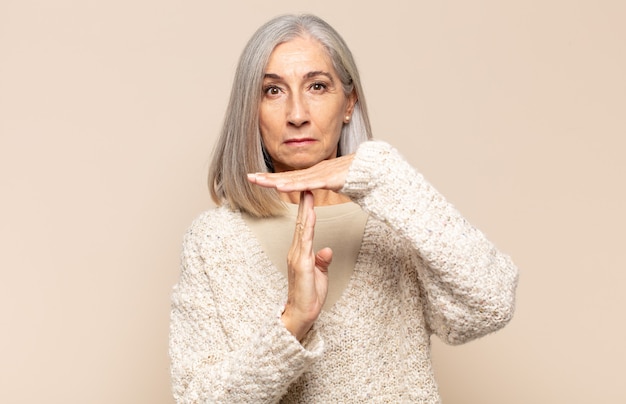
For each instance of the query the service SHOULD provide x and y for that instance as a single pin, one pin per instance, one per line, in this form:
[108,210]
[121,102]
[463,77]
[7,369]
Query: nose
[297,110]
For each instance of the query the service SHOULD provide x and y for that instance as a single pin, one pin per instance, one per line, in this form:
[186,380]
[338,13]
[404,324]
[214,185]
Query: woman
[329,261]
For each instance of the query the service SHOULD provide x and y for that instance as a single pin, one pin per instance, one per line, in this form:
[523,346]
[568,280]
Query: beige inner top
[339,227]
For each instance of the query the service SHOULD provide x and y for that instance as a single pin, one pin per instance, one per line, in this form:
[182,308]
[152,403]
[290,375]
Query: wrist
[297,328]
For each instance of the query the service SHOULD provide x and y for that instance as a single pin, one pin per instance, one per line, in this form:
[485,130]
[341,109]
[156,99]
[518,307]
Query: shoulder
[211,217]
[212,225]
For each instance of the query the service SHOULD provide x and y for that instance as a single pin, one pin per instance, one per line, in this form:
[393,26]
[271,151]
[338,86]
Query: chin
[300,163]
[295,165]
[303,166]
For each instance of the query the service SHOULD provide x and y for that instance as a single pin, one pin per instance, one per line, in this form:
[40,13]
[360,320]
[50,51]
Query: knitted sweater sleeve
[209,364]
[468,285]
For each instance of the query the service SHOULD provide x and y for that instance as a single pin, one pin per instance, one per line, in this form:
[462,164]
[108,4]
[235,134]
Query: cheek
[265,126]
[269,121]
[333,120]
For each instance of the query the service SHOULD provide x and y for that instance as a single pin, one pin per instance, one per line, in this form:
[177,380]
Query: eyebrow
[309,75]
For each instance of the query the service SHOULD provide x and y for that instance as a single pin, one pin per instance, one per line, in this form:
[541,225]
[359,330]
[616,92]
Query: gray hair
[239,149]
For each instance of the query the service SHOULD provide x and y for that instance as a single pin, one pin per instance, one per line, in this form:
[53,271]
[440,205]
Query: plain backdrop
[515,110]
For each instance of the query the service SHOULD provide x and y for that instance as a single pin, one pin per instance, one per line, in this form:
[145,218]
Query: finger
[324,258]
[305,221]
[308,216]
[327,174]
[302,183]
[292,181]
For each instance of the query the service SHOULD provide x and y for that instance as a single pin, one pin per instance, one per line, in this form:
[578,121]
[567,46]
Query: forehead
[300,53]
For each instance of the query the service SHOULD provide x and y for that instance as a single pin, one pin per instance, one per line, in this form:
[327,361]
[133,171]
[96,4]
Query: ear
[352,99]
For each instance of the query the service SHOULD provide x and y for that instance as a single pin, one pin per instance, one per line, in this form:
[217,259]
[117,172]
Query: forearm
[217,359]
[259,370]
[468,283]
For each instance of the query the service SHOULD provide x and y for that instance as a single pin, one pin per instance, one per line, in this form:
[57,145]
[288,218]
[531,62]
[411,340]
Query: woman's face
[303,107]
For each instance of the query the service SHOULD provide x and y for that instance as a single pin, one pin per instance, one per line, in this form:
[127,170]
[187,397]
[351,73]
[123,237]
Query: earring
[348,118]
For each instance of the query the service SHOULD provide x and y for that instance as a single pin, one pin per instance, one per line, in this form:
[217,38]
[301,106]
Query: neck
[322,197]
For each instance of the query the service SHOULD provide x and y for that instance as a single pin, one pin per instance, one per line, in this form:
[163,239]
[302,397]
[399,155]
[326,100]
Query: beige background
[515,110]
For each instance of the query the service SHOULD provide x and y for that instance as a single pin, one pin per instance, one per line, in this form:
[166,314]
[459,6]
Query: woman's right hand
[307,273]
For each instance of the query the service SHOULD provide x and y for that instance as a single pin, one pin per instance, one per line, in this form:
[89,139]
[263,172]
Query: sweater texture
[422,270]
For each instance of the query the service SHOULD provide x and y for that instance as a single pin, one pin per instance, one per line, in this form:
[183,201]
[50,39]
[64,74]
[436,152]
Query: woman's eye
[318,86]
[272,90]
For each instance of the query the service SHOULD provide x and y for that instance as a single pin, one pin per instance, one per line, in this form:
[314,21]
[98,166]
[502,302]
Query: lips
[299,141]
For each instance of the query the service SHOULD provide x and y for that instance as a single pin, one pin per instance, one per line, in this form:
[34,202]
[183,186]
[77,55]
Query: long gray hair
[239,150]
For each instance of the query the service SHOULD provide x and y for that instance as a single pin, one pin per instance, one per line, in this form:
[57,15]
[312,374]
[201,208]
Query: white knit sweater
[422,269]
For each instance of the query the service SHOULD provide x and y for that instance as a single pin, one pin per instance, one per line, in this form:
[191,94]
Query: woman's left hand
[327,174]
